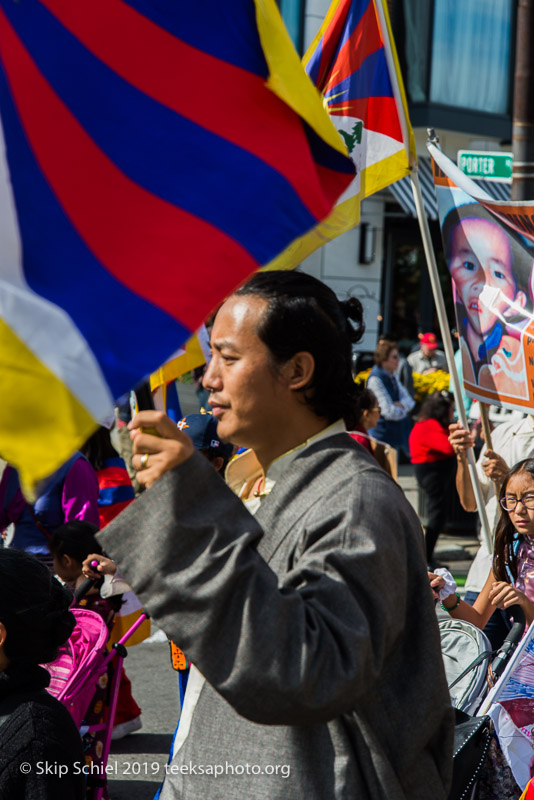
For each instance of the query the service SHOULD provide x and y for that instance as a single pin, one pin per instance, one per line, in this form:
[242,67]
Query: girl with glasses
[511,580]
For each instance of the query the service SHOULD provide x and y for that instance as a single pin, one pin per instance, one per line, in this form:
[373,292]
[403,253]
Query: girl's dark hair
[75,539]
[98,448]
[303,314]
[34,608]
[504,558]
[383,349]
[365,401]
[437,406]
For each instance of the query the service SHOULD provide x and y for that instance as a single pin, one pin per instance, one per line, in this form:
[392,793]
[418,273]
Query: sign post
[489,166]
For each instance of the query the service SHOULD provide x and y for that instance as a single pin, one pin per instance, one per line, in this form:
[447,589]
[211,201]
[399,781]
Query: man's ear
[3,634]
[298,370]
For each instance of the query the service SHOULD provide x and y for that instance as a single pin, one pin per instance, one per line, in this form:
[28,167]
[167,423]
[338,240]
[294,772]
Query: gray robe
[313,624]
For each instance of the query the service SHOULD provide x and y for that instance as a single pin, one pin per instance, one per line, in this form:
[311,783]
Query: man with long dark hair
[317,670]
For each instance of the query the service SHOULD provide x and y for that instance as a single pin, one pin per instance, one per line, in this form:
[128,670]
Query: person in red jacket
[434,462]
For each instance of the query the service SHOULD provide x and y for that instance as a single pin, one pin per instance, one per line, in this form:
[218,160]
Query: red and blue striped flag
[353,63]
[152,156]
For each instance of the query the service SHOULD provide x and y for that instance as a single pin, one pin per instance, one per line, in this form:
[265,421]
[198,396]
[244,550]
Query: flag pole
[400,98]
[392,62]
[447,343]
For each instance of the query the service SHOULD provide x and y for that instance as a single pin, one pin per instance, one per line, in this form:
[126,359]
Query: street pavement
[188,398]
[455,550]
[136,763]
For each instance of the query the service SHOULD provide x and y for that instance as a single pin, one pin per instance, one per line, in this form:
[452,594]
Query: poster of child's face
[481,256]
[491,272]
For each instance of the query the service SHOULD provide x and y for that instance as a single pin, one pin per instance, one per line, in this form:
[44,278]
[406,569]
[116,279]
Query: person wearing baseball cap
[202,430]
[427,358]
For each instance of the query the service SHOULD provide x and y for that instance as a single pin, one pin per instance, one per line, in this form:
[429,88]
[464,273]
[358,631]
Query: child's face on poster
[481,256]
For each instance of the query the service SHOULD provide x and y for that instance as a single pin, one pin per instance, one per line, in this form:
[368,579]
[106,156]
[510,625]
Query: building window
[459,53]
[292,12]
[471,54]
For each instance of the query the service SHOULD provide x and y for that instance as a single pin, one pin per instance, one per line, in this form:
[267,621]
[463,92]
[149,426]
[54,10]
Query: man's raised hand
[161,450]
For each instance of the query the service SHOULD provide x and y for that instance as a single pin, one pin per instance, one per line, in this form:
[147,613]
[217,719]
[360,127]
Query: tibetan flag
[125,618]
[353,63]
[152,156]
[528,794]
[115,490]
[510,704]
[195,353]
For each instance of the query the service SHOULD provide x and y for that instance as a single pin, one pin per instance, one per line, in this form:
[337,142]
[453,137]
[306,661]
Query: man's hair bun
[353,311]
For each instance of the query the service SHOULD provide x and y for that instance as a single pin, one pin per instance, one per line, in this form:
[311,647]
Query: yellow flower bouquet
[424,385]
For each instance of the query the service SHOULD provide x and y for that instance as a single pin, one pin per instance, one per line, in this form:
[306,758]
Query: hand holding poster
[489,250]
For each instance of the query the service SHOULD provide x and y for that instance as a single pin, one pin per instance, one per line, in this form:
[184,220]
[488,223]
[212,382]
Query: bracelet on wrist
[451,608]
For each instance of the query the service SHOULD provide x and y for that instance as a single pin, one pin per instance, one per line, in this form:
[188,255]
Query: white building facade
[457,59]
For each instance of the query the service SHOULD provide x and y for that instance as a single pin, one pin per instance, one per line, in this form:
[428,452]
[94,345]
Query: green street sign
[489,166]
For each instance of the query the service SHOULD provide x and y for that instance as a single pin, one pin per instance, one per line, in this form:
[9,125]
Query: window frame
[438,115]
[299,44]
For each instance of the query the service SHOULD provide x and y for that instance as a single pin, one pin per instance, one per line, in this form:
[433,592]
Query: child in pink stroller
[86,677]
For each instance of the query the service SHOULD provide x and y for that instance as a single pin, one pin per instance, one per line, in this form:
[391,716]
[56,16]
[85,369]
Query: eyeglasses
[509,503]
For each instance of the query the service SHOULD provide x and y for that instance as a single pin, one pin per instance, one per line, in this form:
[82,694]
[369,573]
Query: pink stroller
[81,667]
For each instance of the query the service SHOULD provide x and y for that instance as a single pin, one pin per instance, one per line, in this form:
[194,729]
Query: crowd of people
[257,549]
[261,569]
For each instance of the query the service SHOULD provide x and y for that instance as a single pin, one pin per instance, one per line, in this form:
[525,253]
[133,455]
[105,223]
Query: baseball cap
[430,340]
[202,430]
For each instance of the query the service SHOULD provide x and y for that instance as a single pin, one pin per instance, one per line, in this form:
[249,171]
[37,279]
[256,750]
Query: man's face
[426,350]
[481,256]
[247,396]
